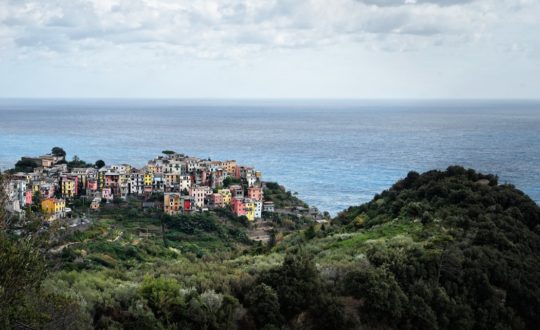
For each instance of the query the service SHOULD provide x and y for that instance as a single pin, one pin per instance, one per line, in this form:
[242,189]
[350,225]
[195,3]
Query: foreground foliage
[439,250]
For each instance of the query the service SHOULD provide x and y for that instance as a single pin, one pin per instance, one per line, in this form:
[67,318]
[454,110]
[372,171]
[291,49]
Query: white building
[199,194]
[136,183]
[258,209]
[185,182]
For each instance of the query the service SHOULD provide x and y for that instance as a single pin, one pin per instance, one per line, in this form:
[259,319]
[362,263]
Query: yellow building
[148,179]
[123,178]
[53,206]
[101,178]
[171,179]
[151,168]
[35,187]
[229,166]
[250,207]
[226,193]
[68,188]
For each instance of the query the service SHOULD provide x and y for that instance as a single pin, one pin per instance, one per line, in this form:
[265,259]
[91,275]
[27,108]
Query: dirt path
[261,233]
[117,237]
[62,247]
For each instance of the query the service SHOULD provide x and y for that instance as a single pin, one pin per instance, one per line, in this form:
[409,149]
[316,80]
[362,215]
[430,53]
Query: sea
[331,153]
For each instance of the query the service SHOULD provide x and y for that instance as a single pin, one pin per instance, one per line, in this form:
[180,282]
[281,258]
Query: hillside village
[177,183]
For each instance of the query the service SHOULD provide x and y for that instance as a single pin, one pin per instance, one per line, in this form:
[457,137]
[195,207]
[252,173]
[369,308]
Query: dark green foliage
[384,301]
[300,290]
[25,165]
[328,313]
[22,268]
[479,268]
[281,197]
[99,163]
[263,304]
[230,181]
[190,224]
[296,282]
[77,162]
[272,240]
[310,233]
[58,152]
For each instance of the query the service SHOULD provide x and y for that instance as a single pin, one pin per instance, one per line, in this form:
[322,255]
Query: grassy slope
[110,259]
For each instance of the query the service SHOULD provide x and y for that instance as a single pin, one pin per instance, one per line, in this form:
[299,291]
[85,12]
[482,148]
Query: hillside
[444,249]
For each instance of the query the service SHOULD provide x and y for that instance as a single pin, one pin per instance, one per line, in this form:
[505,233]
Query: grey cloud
[234,26]
[386,3]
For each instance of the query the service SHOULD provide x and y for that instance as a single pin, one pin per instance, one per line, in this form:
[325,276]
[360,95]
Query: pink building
[216,200]
[92,185]
[28,197]
[238,207]
[255,193]
[111,179]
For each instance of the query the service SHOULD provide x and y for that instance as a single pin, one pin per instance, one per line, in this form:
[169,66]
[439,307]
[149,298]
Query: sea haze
[333,153]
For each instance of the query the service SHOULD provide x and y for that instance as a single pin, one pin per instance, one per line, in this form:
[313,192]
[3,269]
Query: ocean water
[332,153]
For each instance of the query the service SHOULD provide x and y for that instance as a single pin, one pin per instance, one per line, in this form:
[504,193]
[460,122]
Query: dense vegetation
[472,262]
[281,197]
[28,165]
[443,249]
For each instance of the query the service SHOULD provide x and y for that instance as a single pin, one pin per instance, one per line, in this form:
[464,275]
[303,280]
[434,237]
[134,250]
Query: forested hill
[468,255]
[441,250]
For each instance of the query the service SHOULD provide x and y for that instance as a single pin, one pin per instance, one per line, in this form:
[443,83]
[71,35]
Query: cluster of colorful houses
[188,184]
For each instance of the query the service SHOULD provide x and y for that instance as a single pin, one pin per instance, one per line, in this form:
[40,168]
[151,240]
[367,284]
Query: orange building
[255,193]
[172,203]
[54,208]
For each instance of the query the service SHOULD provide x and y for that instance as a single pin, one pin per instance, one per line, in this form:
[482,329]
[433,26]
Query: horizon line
[6,98]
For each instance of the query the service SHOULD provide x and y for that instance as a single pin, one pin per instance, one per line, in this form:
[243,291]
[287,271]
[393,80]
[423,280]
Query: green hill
[440,250]
[444,249]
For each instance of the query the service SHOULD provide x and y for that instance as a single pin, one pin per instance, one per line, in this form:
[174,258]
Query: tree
[296,282]
[22,267]
[263,304]
[100,163]
[36,201]
[272,240]
[384,299]
[310,233]
[58,152]
[25,165]
[168,152]
[77,162]
[163,296]
[230,181]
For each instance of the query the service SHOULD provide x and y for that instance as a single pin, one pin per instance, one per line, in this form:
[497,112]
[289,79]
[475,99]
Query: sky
[374,49]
